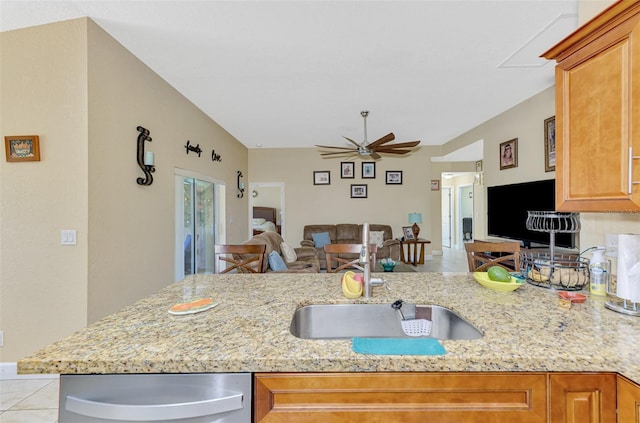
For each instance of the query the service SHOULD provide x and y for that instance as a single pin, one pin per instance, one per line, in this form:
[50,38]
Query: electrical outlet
[1,338]
[611,244]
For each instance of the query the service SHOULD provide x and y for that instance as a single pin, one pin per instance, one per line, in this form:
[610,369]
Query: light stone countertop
[248,331]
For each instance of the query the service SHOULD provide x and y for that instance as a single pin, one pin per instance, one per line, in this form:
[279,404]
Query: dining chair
[245,258]
[481,255]
[332,252]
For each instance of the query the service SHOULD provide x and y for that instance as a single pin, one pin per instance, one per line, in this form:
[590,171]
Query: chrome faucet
[365,262]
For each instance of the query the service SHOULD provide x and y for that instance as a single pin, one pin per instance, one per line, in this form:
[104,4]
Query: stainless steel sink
[341,321]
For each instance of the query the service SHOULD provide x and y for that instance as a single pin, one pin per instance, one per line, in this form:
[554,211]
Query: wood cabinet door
[400,397]
[597,123]
[628,401]
[582,398]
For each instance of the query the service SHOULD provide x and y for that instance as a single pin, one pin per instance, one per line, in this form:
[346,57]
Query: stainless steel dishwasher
[176,398]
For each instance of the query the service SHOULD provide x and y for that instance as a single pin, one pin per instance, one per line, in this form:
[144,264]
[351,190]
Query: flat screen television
[507,207]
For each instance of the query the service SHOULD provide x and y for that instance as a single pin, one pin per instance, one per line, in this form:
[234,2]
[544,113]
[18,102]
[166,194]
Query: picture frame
[550,144]
[479,166]
[358,190]
[347,170]
[368,170]
[435,185]
[321,177]
[408,233]
[22,148]
[393,177]
[508,154]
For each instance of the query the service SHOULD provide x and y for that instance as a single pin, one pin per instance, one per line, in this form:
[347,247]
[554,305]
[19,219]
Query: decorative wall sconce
[240,186]
[195,149]
[145,160]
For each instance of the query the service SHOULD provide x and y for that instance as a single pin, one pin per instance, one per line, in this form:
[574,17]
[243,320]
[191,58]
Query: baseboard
[10,371]
[436,253]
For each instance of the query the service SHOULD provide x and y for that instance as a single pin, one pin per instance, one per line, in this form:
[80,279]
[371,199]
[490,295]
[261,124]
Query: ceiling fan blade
[386,138]
[408,144]
[338,148]
[392,151]
[339,152]
[375,156]
[352,141]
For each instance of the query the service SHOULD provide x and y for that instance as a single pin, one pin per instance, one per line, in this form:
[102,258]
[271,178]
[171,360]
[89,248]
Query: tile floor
[35,400]
[29,400]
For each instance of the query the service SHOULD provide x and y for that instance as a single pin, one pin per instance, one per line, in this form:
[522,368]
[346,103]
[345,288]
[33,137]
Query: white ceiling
[281,74]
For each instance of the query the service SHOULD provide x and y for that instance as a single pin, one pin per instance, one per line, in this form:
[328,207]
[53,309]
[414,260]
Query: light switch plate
[68,237]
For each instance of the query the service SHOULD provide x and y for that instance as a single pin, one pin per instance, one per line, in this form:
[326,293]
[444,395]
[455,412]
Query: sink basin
[342,321]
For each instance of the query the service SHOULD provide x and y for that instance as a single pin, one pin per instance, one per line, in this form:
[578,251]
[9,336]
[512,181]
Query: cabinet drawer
[400,397]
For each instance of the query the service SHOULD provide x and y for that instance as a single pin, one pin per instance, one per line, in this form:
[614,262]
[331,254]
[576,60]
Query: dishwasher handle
[155,412]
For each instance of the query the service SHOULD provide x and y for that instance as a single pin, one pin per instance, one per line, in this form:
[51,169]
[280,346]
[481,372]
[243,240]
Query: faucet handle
[380,281]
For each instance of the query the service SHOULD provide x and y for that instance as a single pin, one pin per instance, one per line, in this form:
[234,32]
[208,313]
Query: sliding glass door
[199,208]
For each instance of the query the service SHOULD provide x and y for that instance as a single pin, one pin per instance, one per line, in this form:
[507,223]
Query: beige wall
[44,92]
[84,94]
[386,204]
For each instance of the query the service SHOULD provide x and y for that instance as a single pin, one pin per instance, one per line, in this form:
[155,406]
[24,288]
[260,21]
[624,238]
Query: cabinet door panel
[582,398]
[400,397]
[628,401]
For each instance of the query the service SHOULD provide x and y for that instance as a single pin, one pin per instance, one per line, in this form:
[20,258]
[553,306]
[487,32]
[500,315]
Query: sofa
[306,260]
[351,233]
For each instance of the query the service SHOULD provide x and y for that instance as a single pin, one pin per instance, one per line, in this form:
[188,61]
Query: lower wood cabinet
[582,397]
[628,401]
[443,397]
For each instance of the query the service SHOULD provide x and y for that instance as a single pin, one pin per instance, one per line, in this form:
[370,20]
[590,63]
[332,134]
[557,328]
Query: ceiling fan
[373,149]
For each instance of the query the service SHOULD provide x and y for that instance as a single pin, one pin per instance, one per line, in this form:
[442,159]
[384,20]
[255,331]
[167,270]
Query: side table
[412,250]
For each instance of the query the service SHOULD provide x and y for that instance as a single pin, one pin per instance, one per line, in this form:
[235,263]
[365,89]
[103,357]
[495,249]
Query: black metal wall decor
[145,161]
[240,186]
[215,157]
[195,149]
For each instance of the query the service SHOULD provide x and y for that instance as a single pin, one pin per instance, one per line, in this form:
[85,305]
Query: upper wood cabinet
[598,113]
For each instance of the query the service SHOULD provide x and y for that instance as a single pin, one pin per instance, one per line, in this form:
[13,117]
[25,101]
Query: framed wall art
[368,170]
[22,148]
[321,177]
[435,185]
[393,177]
[347,170]
[550,144]
[358,191]
[509,154]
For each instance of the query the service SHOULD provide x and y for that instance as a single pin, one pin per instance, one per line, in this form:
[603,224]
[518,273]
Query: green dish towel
[398,346]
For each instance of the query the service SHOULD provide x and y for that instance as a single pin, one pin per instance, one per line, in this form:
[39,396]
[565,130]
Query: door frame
[451,214]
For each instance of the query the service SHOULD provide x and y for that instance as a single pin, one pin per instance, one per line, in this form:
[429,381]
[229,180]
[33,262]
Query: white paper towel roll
[628,284]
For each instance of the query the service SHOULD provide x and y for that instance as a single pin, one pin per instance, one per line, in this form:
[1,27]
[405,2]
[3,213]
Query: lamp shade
[415,217]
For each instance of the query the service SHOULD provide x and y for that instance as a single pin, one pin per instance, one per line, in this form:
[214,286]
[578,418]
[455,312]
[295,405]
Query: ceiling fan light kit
[373,149]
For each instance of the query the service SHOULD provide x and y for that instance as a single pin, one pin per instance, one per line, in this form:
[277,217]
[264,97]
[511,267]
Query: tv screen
[507,207]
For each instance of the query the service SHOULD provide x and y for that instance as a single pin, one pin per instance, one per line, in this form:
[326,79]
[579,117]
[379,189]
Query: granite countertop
[248,331]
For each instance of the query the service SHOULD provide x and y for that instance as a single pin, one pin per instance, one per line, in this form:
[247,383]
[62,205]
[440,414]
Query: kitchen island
[524,331]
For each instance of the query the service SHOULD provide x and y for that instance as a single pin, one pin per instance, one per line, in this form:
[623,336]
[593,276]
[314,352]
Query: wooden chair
[482,255]
[332,251]
[242,258]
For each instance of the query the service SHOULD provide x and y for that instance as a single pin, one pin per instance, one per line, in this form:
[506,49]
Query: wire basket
[558,271]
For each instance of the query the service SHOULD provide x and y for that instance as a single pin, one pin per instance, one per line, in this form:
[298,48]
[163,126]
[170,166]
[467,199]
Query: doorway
[199,206]
[465,213]
[447,213]
[268,194]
